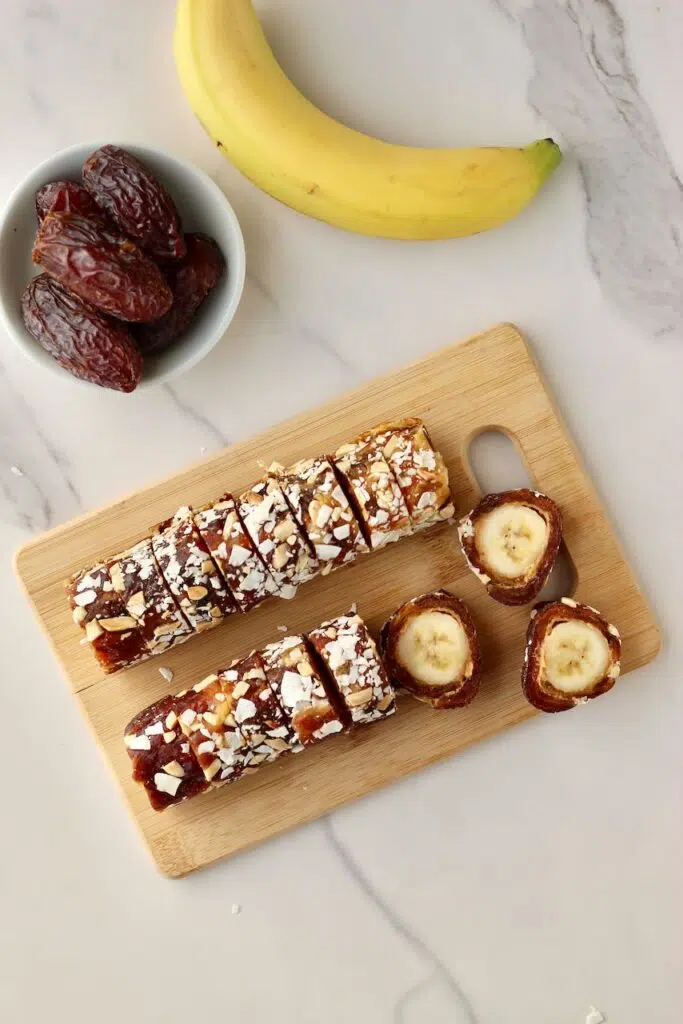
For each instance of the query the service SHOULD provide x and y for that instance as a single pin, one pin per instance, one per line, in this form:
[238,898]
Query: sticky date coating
[82,341]
[135,200]
[102,267]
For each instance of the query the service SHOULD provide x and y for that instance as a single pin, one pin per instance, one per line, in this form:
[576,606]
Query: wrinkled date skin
[103,268]
[65,197]
[190,279]
[81,340]
[135,201]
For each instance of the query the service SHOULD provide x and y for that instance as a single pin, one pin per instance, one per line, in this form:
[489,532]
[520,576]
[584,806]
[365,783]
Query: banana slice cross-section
[510,541]
[572,655]
[431,650]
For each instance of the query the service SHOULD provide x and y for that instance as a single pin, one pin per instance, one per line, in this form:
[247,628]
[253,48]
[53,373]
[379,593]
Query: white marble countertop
[540,872]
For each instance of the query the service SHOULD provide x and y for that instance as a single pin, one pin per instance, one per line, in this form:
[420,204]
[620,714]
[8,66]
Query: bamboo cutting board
[488,381]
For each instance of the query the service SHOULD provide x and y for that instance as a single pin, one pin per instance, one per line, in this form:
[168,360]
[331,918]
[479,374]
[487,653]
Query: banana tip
[547,156]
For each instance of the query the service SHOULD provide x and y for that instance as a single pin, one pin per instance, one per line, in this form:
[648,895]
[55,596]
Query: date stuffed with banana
[510,541]
[573,654]
[431,650]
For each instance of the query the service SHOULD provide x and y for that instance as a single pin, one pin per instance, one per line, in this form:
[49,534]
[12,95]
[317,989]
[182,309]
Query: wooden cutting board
[489,381]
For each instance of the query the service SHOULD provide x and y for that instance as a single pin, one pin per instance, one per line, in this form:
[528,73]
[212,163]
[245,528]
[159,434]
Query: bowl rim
[237,266]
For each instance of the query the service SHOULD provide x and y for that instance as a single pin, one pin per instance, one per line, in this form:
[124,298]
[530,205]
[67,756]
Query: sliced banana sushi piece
[322,511]
[267,518]
[573,654]
[419,468]
[348,652]
[373,490]
[430,648]
[510,541]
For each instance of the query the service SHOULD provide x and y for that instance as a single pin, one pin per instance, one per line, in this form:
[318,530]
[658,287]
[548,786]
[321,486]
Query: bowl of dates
[122,265]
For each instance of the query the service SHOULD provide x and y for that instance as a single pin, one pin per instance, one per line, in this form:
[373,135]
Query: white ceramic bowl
[202,207]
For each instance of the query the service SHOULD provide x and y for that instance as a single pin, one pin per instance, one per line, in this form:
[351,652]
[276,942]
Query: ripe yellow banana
[291,149]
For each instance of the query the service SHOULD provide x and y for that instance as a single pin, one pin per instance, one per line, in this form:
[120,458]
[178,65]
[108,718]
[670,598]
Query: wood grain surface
[489,381]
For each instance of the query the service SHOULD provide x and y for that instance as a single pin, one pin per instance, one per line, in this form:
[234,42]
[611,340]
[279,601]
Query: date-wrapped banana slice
[126,609]
[234,554]
[350,656]
[322,511]
[510,541]
[268,520]
[190,572]
[163,761]
[206,716]
[312,708]
[374,492]
[419,468]
[572,655]
[430,648]
[257,711]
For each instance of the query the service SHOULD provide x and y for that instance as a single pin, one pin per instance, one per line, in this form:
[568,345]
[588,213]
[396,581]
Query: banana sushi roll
[431,650]
[510,541]
[162,759]
[206,716]
[322,511]
[234,554]
[572,655]
[190,572]
[349,654]
[373,491]
[271,526]
[313,709]
[257,709]
[419,469]
[126,609]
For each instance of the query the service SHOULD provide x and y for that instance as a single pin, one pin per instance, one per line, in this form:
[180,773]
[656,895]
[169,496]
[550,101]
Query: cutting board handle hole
[562,580]
[496,463]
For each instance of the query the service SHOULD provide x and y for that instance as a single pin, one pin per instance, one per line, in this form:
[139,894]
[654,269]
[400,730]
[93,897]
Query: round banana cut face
[572,655]
[575,656]
[434,648]
[510,541]
[431,650]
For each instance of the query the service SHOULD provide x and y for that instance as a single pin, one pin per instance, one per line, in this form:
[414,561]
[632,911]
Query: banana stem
[546,155]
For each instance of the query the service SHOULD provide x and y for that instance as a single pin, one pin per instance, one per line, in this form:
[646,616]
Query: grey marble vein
[584,84]
[305,333]
[440,977]
[199,418]
[410,1008]
[44,494]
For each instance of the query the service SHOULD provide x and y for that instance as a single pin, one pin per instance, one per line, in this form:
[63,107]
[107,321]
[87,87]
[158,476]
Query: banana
[575,656]
[511,539]
[434,648]
[292,150]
